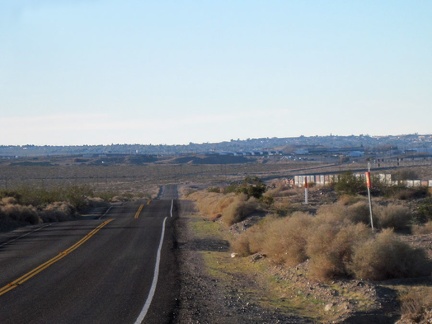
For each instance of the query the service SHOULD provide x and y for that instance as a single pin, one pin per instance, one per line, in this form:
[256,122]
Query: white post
[306,191]
[369,185]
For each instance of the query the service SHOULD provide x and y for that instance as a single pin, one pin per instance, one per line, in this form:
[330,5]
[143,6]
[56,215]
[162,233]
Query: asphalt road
[94,271]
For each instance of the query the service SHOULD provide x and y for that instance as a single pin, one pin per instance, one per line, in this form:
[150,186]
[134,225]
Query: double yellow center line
[50,262]
[138,212]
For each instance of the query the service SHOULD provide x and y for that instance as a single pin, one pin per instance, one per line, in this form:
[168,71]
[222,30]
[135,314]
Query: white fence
[322,180]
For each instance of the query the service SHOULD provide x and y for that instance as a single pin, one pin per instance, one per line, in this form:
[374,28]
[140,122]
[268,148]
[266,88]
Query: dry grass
[347,200]
[416,305]
[422,229]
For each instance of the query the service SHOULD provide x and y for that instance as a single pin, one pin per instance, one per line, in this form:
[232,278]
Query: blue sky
[174,72]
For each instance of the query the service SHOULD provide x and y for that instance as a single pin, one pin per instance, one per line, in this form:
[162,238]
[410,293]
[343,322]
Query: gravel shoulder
[207,299]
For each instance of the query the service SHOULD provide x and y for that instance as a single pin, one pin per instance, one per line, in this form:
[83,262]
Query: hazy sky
[172,72]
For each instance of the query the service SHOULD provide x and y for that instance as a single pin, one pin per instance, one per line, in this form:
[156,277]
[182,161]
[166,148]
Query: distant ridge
[405,142]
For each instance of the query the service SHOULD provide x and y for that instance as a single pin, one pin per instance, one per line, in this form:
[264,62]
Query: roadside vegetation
[332,239]
[32,205]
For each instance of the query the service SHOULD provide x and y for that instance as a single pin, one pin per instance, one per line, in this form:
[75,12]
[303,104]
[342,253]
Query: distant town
[302,147]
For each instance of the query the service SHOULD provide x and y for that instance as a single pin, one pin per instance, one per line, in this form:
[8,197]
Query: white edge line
[172,205]
[107,211]
[155,279]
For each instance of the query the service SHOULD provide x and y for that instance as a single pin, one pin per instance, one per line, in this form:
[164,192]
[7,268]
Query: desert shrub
[275,191]
[97,202]
[76,196]
[385,256]
[405,175]
[10,194]
[285,239]
[392,216]
[57,211]
[239,209]
[416,304]
[20,214]
[241,244]
[334,213]
[283,207]
[424,210]
[330,248]
[34,196]
[422,229]
[7,201]
[349,184]
[214,189]
[346,200]
[359,212]
[250,186]
[267,200]
[404,193]
[251,240]
[211,204]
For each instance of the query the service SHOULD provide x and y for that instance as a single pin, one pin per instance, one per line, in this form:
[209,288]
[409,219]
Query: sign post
[369,186]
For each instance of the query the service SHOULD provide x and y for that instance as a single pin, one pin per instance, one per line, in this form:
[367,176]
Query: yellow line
[50,262]
[139,211]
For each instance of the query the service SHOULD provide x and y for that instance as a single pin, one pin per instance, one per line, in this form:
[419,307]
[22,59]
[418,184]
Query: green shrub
[424,210]
[385,256]
[349,184]
[412,193]
[34,196]
[214,189]
[267,200]
[405,175]
[250,186]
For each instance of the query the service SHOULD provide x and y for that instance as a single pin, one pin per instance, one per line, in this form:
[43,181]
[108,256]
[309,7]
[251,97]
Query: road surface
[94,271]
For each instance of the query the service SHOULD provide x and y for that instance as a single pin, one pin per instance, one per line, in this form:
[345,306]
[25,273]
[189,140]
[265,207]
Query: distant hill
[414,142]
